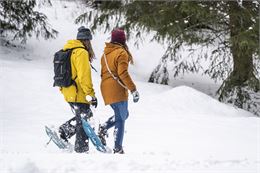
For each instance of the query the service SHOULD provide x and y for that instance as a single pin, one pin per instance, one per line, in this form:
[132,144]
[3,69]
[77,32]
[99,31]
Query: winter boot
[63,134]
[118,151]
[81,141]
[102,134]
[81,147]
[66,130]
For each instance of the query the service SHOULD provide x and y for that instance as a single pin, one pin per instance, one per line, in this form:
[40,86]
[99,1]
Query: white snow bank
[188,101]
[170,130]
[147,163]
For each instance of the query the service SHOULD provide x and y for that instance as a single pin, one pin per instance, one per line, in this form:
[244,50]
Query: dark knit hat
[118,36]
[84,34]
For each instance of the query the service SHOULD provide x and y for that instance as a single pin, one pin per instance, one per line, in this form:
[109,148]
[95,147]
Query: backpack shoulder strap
[71,49]
[78,47]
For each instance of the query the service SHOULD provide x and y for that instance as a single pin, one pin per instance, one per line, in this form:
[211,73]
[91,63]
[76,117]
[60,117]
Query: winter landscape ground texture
[171,129]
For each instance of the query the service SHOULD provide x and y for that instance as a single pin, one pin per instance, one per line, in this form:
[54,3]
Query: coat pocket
[69,93]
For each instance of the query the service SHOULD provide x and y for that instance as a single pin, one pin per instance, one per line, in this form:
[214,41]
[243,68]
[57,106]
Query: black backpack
[62,68]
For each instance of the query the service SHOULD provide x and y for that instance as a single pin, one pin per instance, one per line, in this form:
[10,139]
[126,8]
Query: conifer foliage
[229,28]
[19,20]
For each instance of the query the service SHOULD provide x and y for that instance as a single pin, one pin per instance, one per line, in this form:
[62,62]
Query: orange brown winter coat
[118,59]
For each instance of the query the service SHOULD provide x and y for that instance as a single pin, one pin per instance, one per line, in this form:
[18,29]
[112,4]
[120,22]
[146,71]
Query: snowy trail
[57,163]
[169,130]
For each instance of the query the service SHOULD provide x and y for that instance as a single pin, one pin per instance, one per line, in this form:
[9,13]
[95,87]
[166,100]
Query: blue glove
[135,95]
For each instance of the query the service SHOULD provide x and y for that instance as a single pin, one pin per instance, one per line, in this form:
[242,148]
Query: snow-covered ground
[171,129]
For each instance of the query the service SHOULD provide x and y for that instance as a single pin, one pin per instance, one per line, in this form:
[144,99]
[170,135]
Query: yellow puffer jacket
[81,72]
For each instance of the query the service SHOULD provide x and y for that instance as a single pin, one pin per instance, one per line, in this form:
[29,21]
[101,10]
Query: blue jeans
[118,120]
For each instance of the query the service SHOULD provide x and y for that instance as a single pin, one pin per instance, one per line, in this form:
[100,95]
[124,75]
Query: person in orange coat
[115,84]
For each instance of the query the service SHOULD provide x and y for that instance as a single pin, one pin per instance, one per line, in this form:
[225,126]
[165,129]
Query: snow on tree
[231,27]
[20,20]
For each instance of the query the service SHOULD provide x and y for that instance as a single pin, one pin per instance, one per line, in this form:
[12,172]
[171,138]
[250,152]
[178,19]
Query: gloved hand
[135,95]
[92,100]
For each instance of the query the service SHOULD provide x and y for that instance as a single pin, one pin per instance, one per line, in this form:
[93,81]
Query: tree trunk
[242,54]
[242,85]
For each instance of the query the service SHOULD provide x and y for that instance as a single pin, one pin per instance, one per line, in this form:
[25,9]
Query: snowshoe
[62,144]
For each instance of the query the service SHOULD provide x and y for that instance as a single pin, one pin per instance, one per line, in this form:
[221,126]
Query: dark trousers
[81,110]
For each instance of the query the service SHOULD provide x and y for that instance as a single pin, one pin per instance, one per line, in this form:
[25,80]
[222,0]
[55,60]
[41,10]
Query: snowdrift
[184,100]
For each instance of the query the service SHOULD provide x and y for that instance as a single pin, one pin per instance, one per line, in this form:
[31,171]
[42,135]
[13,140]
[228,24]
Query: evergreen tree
[19,20]
[231,27]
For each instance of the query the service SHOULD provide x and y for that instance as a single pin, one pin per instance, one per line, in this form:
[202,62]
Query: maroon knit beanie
[118,36]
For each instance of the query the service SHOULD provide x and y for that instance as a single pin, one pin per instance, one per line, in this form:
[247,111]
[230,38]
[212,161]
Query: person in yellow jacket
[76,95]
[115,84]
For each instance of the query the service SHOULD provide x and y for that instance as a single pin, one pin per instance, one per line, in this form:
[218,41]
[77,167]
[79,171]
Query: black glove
[94,102]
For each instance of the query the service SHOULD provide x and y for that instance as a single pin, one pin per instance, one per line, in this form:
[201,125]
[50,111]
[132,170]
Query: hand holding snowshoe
[92,100]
